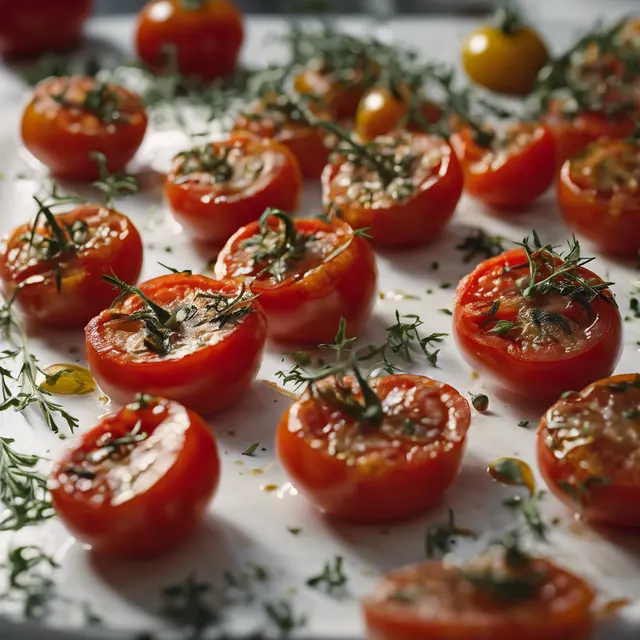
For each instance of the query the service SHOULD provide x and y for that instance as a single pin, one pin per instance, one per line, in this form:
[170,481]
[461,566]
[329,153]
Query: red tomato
[544,342]
[588,450]
[364,472]
[57,278]
[444,602]
[575,132]
[306,142]
[216,189]
[204,351]
[206,35]
[139,482]
[599,195]
[68,119]
[411,203]
[308,274]
[514,170]
[31,28]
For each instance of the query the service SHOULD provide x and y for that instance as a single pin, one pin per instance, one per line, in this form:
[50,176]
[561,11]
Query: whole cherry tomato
[308,273]
[504,56]
[599,195]
[516,167]
[69,119]
[403,187]
[185,337]
[491,598]
[54,265]
[272,119]
[375,451]
[205,36]
[538,322]
[588,450]
[34,27]
[138,483]
[215,189]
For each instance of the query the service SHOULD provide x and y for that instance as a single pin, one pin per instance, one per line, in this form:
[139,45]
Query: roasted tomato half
[512,170]
[275,118]
[69,119]
[376,451]
[403,187]
[588,447]
[538,322]
[203,36]
[307,272]
[34,27]
[138,483]
[185,337]
[599,195]
[495,597]
[215,189]
[54,265]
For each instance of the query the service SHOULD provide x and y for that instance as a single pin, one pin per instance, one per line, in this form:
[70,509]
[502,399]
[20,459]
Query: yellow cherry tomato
[504,56]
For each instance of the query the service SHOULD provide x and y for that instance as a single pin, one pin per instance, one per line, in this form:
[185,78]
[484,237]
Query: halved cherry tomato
[34,27]
[517,167]
[306,142]
[203,351]
[57,276]
[411,203]
[138,483]
[365,472]
[205,36]
[381,110]
[69,119]
[599,195]
[533,599]
[537,340]
[588,446]
[215,189]
[308,274]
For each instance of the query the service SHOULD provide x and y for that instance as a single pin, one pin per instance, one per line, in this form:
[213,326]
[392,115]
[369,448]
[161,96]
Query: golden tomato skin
[504,62]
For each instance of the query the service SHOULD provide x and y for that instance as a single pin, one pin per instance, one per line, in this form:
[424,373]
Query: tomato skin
[29,29]
[504,63]
[392,490]
[64,137]
[523,176]
[416,220]
[307,309]
[156,516]
[610,221]
[207,39]
[206,380]
[116,245]
[544,377]
[614,503]
[210,214]
[454,610]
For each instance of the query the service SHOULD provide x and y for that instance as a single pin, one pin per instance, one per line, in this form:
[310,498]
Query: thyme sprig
[441,536]
[112,185]
[102,101]
[186,605]
[331,578]
[208,159]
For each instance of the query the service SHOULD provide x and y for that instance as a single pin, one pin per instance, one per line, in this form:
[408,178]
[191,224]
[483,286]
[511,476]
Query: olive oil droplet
[513,472]
[68,380]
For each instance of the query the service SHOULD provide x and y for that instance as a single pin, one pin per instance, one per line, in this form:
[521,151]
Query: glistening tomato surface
[204,353]
[588,450]
[408,207]
[539,343]
[516,168]
[68,119]
[364,473]
[442,602]
[599,195]
[31,28]
[59,279]
[139,482]
[308,274]
[216,189]
[205,35]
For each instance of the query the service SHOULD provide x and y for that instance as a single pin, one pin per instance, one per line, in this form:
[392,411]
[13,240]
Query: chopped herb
[331,578]
[186,605]
[580,492]
[503,327]
[480,243]
[294,531]
[524,423]
[440,537]
[634,305]
[251,449]
[445,285]
[447,312]
[435,266]
[282,615]
[184,272]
